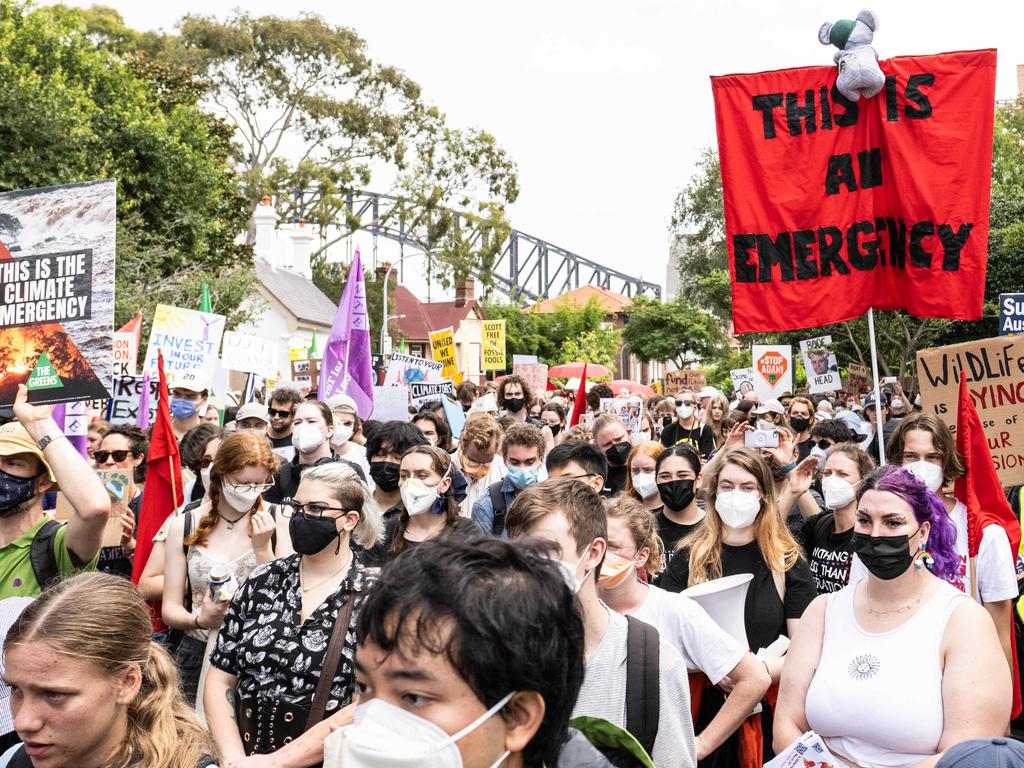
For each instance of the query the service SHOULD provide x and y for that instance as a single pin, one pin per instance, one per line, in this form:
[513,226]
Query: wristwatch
[45,440]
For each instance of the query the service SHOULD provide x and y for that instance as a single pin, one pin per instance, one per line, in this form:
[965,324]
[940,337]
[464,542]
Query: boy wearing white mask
[567,513]
[923,444]
[827,537]
[312,429]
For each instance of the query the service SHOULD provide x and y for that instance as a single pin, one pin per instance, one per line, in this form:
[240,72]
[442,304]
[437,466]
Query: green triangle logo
[43,376]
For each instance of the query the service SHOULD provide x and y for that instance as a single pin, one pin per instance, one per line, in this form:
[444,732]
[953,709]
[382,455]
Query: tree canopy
[675,331]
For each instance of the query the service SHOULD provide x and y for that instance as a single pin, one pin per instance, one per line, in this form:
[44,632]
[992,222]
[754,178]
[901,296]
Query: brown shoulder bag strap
[330,667]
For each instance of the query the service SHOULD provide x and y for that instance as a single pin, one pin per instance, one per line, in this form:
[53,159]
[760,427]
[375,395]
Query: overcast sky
[605,106]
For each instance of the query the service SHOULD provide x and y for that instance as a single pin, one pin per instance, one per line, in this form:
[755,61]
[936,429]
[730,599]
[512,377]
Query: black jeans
[188,658]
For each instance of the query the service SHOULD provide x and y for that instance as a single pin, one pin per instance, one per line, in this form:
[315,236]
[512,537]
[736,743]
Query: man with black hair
[579,460]
[646,691]
[384,448]
[281,411]
[597,393]
[501,690]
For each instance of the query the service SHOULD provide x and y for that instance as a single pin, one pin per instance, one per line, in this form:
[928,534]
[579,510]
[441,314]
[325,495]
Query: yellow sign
[298,353]
[442,349]
[492,348]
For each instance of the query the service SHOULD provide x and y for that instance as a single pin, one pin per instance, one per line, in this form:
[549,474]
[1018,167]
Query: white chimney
[302,245]
[264,220]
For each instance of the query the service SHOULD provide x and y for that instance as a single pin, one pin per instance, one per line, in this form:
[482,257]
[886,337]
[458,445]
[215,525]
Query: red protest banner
[833,206]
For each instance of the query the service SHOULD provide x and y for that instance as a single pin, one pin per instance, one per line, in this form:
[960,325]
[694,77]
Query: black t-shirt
[700,437]
[829,553]
[672,533]
[803,449]
[280,442]
[378,555]
[764,613]
[118,560]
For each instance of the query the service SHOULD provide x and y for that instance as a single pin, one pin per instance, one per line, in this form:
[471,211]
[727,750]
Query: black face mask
[800,425]
[555,429]
[676,494]
[618,453]
[514,404]
[312,535]
[885,557]
[385,475]
[15,491]
[666,420]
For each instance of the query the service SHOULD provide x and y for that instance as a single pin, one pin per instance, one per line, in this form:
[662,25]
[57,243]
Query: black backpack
[42,556]
[498,506]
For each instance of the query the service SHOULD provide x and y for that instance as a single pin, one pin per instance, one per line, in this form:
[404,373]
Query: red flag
[979,489]
[163,493]
[580,406]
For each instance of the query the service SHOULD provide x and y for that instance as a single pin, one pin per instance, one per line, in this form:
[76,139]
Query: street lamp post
[387,280]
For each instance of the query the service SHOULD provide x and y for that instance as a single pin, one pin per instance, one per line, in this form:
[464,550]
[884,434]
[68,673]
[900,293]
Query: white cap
[194,380]
[770,406]
[707,392]
[342,404]
[253,410]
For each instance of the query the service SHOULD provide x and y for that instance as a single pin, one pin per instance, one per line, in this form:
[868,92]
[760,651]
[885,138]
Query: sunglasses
[204,462]
[118,456]
[279,414]
[823,444]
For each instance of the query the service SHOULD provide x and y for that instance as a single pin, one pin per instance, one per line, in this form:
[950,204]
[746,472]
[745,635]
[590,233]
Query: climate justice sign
[834,206]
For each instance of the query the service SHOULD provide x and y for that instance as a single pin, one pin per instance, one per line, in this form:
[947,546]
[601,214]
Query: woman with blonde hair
[743,532]
[89,688]
[632,558]
[291,620]
[640,480]
[229,530]
[714,415]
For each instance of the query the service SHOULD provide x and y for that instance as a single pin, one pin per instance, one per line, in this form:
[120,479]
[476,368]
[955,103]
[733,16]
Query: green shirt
[17,579]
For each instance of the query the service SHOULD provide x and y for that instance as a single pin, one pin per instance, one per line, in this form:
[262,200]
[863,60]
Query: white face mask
[738,509]
[342,434]
[307,437]
[928,473]
[386,736]
[765,425]
[417,496]
[640,437]
[838,492]
[819,454]
[569,572]
[644,484]
[205,475]
[684,411]
[240,502]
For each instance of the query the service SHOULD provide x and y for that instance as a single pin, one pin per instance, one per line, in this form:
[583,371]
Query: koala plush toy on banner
[859,73]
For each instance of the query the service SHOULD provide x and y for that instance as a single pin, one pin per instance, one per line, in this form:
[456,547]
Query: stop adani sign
[773,371]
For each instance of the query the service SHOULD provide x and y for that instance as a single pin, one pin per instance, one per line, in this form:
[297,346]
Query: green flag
[205,305]
[401,345]
[312,346]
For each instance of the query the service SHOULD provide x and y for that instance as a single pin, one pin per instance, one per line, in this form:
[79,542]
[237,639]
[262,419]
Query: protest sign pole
[874,377]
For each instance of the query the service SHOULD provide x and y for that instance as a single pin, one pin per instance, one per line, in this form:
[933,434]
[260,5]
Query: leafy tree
[672,331]
[555,337]
[330,278]
[286,83]
[600,346]
[74,110]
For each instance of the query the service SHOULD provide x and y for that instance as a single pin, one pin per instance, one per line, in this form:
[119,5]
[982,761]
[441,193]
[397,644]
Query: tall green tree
[673,331]
[563,336]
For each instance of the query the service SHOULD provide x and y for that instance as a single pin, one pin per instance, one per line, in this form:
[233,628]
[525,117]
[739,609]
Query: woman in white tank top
[893,670]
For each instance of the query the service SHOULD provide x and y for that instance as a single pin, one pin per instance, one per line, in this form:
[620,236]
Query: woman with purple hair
[894,669]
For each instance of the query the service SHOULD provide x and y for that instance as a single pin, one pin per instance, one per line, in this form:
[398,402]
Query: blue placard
[1011,313]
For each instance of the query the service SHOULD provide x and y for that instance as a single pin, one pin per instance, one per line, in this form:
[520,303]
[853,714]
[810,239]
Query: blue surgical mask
[182,408]
[523,477]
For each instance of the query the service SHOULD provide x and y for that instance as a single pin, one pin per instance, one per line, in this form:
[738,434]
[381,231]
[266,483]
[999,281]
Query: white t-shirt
[997,579]
[703,645]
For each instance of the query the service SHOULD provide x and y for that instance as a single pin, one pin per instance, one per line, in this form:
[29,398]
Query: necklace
[901,609]
[229,521]
[305,589]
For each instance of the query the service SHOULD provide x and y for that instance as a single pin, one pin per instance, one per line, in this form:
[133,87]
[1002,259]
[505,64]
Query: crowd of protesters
[343,591]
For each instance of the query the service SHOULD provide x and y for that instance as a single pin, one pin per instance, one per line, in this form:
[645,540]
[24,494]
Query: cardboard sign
[534,374]
[834,206]
[742,381]
[442,349]
[391,403]
[773,371]
[57,292]
[406,369]
[425,392]
[858,377]
[821,366]
[1011,313]
[120,488]
[995,376]
[685,379]
[249,354]
[189,339]
[492,345]
[125,397]
[126,353]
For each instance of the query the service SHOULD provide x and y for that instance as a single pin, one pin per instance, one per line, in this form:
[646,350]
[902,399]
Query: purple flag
[346,368]
[73,420]
[142,417]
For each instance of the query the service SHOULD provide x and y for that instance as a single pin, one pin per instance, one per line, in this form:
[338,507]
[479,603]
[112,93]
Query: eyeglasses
[249,487]
[279,414]
[102,456]
[579,477]
[823,444]
[290,508]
